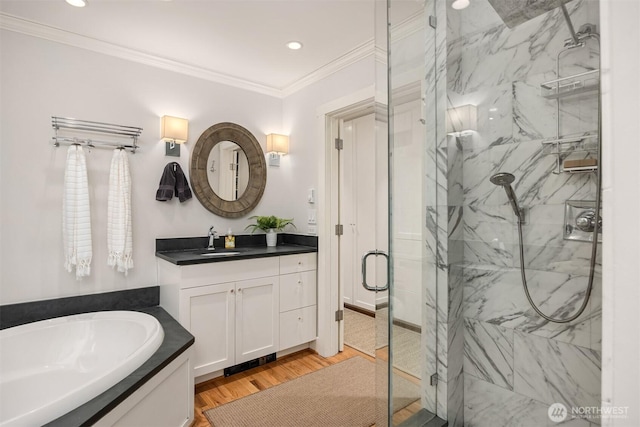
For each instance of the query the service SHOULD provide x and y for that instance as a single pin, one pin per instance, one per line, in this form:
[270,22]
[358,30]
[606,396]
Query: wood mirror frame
[257,170]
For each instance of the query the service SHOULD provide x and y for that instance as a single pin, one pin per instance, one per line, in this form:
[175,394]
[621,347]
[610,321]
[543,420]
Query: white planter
[272,237]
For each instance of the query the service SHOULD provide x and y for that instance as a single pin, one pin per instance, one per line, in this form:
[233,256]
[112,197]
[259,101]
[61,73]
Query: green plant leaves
[267,222]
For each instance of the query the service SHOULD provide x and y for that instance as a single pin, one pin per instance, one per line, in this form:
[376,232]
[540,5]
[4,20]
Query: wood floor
[219,391]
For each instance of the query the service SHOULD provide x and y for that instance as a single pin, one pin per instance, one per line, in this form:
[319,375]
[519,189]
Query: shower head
[504,180]
[516,12]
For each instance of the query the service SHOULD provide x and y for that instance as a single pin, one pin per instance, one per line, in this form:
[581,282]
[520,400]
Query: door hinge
[339,144]
[433,21]
[339,230]
[433,379]
[339,315]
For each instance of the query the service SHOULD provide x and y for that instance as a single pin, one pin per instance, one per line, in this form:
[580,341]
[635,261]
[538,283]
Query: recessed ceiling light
[294,45]
[460,4]
[77,3]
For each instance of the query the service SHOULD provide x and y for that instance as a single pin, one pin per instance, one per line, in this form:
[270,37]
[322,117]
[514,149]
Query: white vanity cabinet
[209,313]
[257,308]
[244,309]
[298,299]
[231,308]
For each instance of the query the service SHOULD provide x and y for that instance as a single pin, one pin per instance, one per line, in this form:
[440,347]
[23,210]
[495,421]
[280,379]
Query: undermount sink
[215,254]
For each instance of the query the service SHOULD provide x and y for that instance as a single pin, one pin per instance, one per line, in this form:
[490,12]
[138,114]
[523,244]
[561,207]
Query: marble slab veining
[495,295]
[550,371]
[488,352]
[488,405]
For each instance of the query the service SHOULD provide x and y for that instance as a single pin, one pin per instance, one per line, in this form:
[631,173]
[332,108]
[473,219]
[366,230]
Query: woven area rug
[339,395]
[359,333]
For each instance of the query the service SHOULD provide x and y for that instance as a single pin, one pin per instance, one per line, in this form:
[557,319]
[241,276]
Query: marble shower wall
[445,195]
[516,364]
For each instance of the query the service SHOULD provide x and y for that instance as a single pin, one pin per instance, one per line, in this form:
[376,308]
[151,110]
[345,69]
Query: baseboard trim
[360,310]
[407,325]
[397,322]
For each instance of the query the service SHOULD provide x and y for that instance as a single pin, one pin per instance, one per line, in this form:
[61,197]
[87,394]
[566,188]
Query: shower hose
[596,228]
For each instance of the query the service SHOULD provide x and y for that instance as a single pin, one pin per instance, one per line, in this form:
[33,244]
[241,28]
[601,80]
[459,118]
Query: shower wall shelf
[583,146]
[119,132]
[587,81]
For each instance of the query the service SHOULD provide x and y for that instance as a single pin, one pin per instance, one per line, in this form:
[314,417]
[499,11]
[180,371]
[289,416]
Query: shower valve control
[586,221]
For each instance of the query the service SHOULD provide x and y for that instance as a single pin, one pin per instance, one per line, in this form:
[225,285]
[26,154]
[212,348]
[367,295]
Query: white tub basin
[50,367]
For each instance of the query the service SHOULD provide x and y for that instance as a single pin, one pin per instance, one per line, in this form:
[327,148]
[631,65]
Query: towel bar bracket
[85,126]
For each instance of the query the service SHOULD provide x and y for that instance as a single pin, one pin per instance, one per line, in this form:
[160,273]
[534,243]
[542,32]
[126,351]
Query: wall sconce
[462,119]
[277,146]
[174,131]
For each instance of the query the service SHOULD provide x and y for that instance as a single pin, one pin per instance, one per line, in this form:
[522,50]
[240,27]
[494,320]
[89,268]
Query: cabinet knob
[239,289]
[299,262]
[231,291]
[299,319]
[299,282]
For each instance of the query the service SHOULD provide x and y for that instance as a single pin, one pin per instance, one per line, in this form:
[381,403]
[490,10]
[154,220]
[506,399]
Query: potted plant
[271,225]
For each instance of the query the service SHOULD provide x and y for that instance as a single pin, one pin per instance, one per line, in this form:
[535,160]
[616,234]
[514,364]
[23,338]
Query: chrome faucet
[213,234]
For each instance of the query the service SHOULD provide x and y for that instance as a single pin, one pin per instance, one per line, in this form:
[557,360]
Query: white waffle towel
[119,234]
[76,214]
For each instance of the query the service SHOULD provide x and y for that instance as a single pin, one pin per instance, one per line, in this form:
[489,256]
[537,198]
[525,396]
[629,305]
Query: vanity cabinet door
[209,313]
[257,316]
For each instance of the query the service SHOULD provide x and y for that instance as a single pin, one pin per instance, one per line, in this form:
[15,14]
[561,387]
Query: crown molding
[35,29]
[408,26]
[362,51]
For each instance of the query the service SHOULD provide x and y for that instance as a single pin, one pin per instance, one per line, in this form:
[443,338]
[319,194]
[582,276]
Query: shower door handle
[364,271]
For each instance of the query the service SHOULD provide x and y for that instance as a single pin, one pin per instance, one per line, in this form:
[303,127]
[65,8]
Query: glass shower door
[411,314]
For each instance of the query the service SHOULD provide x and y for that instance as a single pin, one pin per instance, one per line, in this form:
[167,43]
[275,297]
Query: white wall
[40,79]
[300,121]
[621,209]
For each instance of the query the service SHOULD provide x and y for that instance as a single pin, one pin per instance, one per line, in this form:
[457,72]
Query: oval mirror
[228,170]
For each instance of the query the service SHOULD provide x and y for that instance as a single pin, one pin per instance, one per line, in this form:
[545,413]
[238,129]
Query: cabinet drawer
[297,290]
[297,327]
[297,263]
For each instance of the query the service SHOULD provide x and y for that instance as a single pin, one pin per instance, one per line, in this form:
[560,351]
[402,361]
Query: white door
[257,314]
[209,313]
[408,212]
[363,208]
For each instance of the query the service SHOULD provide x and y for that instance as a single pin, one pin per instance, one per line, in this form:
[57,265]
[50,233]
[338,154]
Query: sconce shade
[461,119]
[277,143]
[174,129]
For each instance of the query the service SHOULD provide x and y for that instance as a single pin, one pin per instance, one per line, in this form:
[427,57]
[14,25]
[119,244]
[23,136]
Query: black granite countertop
[176,341]
[192,250]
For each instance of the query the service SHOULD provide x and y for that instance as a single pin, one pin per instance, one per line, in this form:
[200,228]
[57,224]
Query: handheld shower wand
[504,180]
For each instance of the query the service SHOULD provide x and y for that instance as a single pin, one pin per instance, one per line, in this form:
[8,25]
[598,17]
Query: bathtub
[50,367]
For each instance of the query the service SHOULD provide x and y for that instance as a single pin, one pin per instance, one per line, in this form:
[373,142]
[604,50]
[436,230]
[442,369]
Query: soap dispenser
[229,240]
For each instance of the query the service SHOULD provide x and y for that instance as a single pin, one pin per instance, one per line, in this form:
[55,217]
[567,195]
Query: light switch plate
[311,216]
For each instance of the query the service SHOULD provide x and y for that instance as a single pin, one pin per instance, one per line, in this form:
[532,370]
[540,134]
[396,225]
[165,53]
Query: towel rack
[82,126]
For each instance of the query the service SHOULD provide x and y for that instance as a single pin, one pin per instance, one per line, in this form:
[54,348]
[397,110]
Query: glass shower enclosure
[473,92]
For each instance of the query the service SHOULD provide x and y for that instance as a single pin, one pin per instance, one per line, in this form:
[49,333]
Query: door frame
[329,293]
